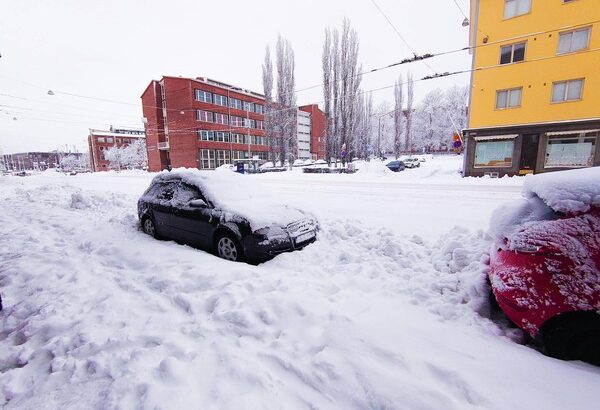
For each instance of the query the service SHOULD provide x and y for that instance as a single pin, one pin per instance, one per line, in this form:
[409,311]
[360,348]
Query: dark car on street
[188,207]
[396,166]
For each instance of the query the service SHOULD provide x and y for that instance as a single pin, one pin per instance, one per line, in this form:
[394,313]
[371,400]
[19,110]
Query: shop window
[571,151]
[494,153]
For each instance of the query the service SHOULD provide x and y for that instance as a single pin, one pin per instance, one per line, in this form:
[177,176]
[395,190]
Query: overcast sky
[111,49]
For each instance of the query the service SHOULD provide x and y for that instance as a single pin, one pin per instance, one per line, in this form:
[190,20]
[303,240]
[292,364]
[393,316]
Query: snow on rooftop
[241,195]
[570,191]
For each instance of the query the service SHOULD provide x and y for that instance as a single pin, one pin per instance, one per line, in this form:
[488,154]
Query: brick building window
[206,158]
[237,138]
[220,100]
[249,123]
[205,116]
[221,118]
[222,136]
[260,125]
[237,121]
[235,103]
[258,108]
[205,135]
[203,96]
[248,106]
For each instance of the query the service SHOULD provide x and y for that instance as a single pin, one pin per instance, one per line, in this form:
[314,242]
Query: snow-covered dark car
[545,265]
[395,166]
[222,212]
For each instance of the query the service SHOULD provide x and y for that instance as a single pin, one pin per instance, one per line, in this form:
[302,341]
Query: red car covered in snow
[545,264]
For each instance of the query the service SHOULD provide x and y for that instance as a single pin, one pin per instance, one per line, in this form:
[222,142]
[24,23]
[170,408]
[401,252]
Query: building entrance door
[529,153]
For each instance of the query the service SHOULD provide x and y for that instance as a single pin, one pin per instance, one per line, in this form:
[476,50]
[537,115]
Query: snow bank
[239,195]
[373,167]
[568,192]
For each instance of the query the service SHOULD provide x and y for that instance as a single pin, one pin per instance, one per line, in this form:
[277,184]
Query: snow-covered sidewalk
[376,314]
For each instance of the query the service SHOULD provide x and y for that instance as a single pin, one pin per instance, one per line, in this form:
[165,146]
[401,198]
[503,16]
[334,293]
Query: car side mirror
[198,203]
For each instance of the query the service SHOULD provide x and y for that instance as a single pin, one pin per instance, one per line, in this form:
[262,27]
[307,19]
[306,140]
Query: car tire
[149,227]
[573,336]
[228,247]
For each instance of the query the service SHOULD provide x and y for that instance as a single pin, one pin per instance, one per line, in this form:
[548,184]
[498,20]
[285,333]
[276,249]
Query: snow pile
[99,315]
[373,167]
[568,192]
[239,195]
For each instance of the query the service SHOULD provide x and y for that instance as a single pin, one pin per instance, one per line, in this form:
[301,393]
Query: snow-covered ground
[387,310]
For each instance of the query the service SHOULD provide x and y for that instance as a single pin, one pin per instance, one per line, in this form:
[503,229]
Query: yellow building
[535,86]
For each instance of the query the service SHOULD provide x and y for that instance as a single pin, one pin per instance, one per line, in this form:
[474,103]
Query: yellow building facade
[535,86]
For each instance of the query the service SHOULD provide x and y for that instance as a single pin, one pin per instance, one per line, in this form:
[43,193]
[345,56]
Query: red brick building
[99,141]
[318,123]
[202,123]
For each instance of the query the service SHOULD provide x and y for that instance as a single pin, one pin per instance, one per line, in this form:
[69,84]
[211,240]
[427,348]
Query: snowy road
[371,316]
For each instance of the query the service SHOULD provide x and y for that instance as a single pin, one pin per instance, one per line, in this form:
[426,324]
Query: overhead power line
[409,60]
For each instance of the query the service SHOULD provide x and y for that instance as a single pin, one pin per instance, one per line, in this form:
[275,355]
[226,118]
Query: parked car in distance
[396,166]
[545,264]
[216,211]
[411,162]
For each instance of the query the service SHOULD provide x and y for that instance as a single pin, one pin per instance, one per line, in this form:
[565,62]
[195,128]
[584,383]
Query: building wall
[154,126]
[100,141]
[181,127]
[318,130]
[536,77]
[304,135]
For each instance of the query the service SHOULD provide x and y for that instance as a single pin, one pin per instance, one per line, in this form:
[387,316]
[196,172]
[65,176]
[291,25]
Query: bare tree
[363,128]
[398,116]
[410,84]
[286,98]
[327,63]
[267,77]
[341,74]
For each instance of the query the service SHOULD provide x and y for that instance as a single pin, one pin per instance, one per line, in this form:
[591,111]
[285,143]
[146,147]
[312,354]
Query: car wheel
[573,337]
[149,227]
[228,248]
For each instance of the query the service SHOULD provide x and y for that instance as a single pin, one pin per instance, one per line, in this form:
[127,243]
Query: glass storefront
[494,153]
[571,150]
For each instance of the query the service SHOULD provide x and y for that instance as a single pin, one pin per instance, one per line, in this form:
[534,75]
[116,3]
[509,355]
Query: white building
[304,132]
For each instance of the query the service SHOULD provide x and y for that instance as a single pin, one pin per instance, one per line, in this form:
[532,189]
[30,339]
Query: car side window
[166,192]
[186,193]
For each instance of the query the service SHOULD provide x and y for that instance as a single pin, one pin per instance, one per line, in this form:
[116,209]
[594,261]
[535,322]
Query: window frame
[512,53]
[199,116]
[512,156]
[566,93]
[516,15]
[593,136]
[197,92]
[572,33]
[509,91]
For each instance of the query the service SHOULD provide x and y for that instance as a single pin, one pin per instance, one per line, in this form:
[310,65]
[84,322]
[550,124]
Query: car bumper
[259,249]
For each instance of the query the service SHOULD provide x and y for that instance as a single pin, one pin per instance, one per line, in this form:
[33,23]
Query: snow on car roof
[568,192]
[240,195]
